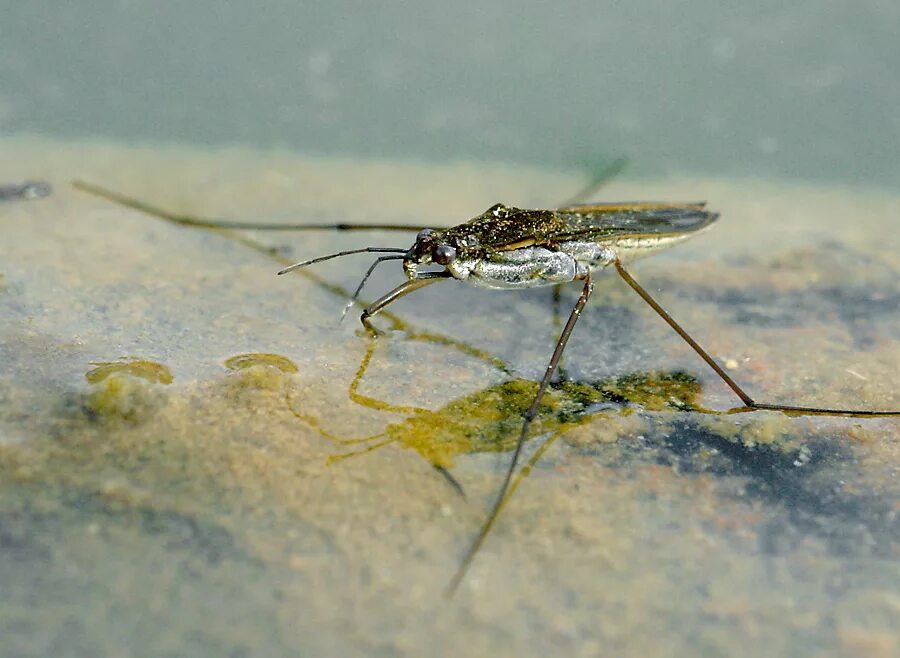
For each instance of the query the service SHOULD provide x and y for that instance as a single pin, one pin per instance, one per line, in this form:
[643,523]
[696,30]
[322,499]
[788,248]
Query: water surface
[173,416]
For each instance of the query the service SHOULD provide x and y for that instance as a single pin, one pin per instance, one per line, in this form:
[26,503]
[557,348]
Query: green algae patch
[652,391]
[127,390]
[771,430]
[123,397]
[486,421]
[258,371]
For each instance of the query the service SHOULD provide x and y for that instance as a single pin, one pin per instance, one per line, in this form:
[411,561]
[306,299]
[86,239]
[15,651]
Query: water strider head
[455,248]
[463,250]
[432,247]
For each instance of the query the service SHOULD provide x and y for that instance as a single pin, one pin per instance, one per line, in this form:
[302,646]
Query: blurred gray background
[808,89]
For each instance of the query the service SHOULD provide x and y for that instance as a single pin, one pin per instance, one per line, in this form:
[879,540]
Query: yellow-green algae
[258,372]
[155,373]
[125,389]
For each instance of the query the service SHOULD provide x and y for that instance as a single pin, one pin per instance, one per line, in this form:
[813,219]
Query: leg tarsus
[452,480]
[749,403]
[819,411]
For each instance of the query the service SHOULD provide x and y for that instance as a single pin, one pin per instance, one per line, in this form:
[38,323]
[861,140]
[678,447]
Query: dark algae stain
[834,292]
[19,538]
[192,534]
[26,534]
[24,191]
[800,479]
[853,305]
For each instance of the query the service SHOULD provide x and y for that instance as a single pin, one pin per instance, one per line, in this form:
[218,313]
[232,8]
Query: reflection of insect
[506,248]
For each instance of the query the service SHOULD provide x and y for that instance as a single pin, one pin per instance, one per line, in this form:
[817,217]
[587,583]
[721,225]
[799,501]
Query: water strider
[514,248]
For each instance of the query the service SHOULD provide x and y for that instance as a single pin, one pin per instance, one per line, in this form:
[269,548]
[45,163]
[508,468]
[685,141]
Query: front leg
[400,291]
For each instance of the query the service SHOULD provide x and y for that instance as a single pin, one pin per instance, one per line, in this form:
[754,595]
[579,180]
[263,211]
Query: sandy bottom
[173,421]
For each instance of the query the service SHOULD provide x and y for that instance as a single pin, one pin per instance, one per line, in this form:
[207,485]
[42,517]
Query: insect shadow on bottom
[486,420]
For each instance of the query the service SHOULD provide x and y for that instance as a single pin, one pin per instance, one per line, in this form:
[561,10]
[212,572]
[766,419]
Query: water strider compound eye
[443,254]
[424,234]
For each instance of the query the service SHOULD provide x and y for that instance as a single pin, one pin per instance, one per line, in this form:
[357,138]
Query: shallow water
[172,417]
